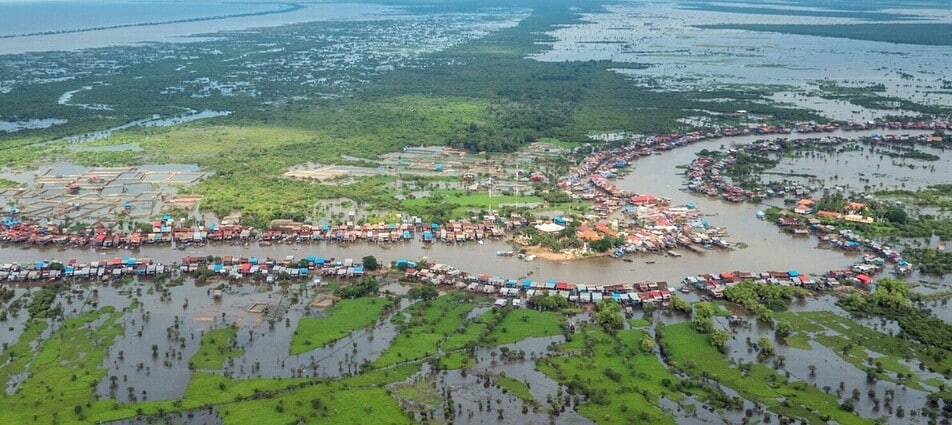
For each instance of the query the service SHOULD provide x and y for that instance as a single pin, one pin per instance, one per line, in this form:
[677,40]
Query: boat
[505,253]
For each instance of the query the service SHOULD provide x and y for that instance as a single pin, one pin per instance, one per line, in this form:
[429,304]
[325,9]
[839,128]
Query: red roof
[864,279]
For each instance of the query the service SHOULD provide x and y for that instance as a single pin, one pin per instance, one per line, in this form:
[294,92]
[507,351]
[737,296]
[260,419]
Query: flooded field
[668,37]
[70,193]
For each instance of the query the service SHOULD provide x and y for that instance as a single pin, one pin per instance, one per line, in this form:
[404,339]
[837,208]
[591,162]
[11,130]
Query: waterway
[179,32]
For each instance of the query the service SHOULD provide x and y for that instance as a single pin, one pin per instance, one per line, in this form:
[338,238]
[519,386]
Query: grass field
[621,382]
[858,344]
[515,388]
[63,374]
[431,322]
[342,319]
[216,348]
[520,324]
[694,355]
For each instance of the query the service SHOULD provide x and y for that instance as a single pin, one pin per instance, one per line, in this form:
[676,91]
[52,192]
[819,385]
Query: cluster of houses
[13,231]
[847,240]
[509,288]
[706,175]
[232,267]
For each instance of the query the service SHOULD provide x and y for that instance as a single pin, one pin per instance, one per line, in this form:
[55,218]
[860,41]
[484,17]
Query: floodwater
[156,121]
[15,126]
[181,31]
[768,248]
[666,36]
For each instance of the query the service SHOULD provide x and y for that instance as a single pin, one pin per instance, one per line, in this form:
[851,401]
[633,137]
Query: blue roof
[793,273]
[616,296]
[311,259]
[434,226]
[320,260]
[326,227]
[526,283]
[217,267]
[253,260]
[407,234]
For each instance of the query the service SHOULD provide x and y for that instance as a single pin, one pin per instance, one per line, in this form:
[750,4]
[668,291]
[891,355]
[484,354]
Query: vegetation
[687,350]
[763,300]
[891,300]
[338,322]
[218,345]
[619,380]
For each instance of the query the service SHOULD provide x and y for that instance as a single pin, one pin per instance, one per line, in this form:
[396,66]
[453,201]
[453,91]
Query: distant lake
[38,17]
[121,23]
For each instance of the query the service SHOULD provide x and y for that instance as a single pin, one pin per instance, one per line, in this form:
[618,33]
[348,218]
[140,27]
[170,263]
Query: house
[804,206]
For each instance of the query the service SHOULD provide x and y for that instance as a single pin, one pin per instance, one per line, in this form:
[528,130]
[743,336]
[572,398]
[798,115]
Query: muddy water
[768,249]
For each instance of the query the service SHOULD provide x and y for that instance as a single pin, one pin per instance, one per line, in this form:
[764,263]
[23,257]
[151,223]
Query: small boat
[505,253]
[627,260]
[649,262]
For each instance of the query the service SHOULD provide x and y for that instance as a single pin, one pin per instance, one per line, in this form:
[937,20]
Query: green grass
[455,360]
[65,370]
[799,340]
[520,324]
[19,354]
[423,393]
[516,388]
[345,317]
[217,347]
[318,404]
[635,396]
[431,322]
[691,352]
[852,340]
[639,323]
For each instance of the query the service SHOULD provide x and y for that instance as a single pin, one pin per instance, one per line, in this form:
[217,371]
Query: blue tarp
[616,296]
[526,283]
[511,283]
[427,235]
[320,260]
[326,227]
[559,220]
[434,226]
[218,267]
[311,259]
[253,260]
[407,234]
[793,273]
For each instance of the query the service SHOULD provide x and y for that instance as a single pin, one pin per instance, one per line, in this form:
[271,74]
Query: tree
[784,330]
[370,263]
[609,316]
[766,347]
[719,338]
[647,343]
[891,293]
[425,292]
[896,215]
